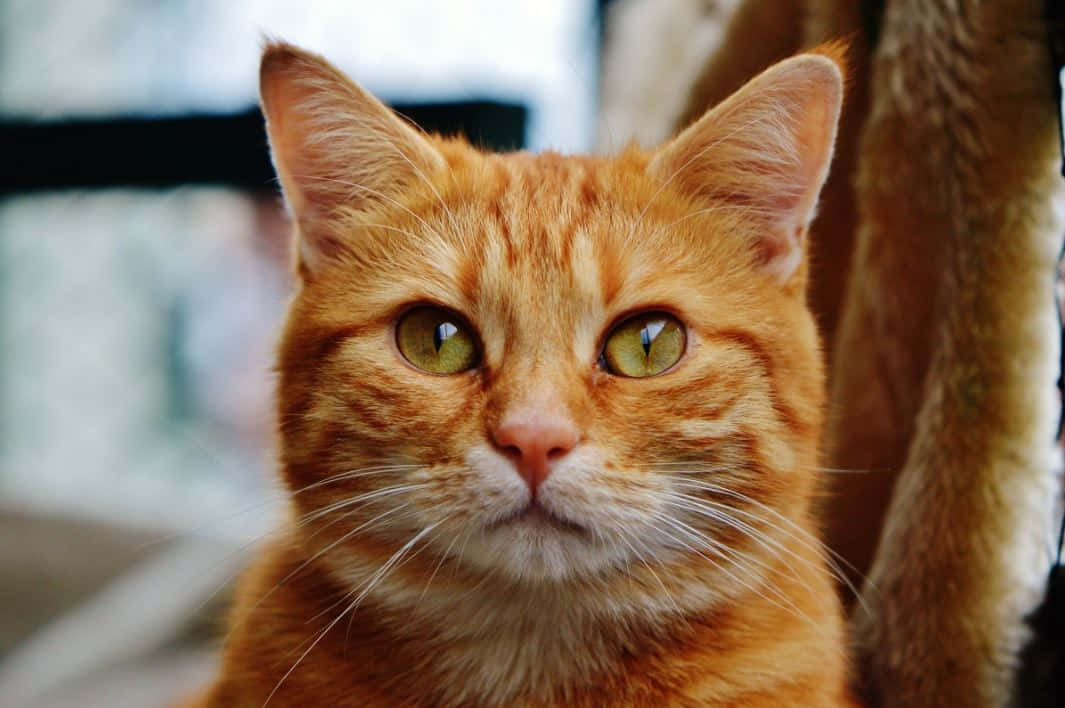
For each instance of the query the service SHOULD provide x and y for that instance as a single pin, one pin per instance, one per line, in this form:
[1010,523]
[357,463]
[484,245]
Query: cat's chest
[491,653]
[469,645]
[444,650]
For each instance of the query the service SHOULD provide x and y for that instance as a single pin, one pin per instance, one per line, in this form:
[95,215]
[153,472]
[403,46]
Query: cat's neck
[499,643]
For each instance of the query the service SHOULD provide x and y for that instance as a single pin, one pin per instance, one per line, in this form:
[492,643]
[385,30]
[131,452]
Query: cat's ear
[333,145]
[765,150]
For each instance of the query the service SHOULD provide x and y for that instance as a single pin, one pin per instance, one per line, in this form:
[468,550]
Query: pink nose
[534,444]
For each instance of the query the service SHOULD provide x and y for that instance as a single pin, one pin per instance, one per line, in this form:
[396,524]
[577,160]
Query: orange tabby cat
[549,424]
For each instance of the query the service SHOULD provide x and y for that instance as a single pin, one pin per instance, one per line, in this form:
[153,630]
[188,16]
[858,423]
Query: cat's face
[549,368]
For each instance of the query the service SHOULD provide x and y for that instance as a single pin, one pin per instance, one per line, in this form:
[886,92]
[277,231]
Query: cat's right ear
[766,151]
[333,145]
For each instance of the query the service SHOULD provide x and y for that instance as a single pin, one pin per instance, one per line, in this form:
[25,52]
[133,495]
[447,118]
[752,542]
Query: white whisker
[374,579]
[368,496]
[797,533]
[347,536]
[624,537]
[436,568]
[711,545]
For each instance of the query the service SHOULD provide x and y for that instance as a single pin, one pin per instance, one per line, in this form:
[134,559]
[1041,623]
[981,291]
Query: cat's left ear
[765,150]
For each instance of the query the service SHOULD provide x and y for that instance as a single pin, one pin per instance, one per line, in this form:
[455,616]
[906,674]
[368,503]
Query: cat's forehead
[550,229]
[547,213]
[530,244]
[576,225]
[534,211]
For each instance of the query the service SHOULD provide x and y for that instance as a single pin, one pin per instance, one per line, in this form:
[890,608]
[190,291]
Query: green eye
[644,345]
[436,341]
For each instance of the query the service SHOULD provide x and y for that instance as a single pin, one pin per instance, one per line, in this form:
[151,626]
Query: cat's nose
[534,445]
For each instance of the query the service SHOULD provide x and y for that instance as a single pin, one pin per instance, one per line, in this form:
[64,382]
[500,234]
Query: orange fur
[687,572]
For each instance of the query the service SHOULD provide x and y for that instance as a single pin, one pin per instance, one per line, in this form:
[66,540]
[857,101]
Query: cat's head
[550,368]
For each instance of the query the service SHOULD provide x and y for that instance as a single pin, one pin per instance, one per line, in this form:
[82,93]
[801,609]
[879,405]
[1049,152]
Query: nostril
[557,452]
[534,444]
[534,441]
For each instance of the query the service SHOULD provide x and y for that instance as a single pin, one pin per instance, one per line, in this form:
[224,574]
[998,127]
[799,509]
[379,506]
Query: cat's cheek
[590,490]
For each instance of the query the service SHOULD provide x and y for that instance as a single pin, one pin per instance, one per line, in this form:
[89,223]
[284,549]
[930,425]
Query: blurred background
[143,251]
[143,275]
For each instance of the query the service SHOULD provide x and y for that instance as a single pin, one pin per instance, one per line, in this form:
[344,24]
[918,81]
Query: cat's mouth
[536,516]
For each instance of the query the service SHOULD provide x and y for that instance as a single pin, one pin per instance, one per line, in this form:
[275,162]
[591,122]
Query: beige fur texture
[959,196]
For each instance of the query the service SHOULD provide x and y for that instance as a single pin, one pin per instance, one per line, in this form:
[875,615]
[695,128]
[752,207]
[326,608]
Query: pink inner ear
[767,148]
[782,256]
[334,146]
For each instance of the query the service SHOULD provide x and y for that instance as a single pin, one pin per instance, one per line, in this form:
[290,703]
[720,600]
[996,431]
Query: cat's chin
[535,544]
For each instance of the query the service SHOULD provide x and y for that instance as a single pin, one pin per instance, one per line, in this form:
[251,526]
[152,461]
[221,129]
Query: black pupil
[649,333]
[441,333]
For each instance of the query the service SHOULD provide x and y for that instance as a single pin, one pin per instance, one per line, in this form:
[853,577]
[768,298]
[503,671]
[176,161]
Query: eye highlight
[436,341]
[644,345]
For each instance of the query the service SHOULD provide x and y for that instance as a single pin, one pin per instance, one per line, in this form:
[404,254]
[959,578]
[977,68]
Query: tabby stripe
[785,413]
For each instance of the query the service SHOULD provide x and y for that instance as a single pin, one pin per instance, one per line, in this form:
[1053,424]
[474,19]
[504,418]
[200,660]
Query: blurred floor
[94,614]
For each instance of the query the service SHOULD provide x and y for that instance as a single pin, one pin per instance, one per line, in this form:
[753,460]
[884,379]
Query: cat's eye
[644,345]
[437,341]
